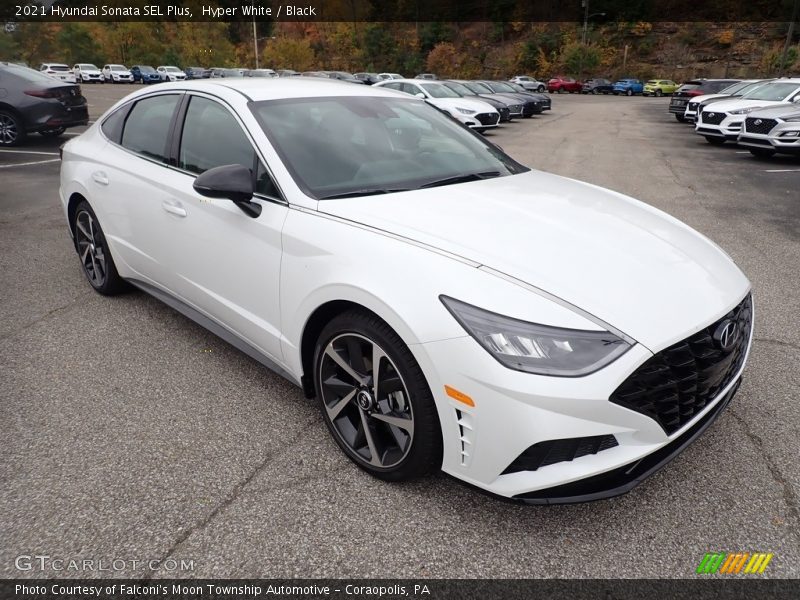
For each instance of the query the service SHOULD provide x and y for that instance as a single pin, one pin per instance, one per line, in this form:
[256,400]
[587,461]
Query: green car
[659,87]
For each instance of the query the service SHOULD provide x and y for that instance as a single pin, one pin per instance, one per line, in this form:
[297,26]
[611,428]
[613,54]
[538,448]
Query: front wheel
[95,256]
[659,93]
[629,93]
[680,118]
[375,399]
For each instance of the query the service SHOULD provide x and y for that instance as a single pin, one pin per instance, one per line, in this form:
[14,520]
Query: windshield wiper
[461,179]
[365,192]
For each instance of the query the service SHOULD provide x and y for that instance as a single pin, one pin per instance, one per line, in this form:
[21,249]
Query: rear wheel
[540,89]
[95,256]
[715,141]
[375,400]
[593,92]
[761,152]
[12,132]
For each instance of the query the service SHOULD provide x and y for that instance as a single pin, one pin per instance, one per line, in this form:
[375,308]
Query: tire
[560,90]
[714,141]
[629,93]
[680,118]
[762,152]
[96,260]
[659,93]
[540,89]
[593,92]
[12,131]
[53,133]
[411,446]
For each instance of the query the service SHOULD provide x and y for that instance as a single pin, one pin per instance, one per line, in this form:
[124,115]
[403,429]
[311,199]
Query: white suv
[529,83]
[58,71]
[171,73]
[117,74]
[87,73]
[772,130]
[723,120]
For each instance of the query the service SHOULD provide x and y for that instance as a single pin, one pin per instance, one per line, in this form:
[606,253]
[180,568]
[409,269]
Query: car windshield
[517,88]
[362,145]
[59,68]
[775,92]
[117,68]
[479,88]
[499,86]
[262,74]
[88,67]
[437,90]
[172,69]
[147,70]
[736,87]
[460,88]
[31,75]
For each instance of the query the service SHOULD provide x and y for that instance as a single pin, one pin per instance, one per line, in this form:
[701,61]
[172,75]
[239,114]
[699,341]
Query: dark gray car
[35,103]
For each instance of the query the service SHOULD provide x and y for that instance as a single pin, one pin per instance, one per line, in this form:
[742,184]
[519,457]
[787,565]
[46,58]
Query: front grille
[515,108]
[488,118]
[504,113]
[556,451]
[754,125]
[676,384]
[712,118]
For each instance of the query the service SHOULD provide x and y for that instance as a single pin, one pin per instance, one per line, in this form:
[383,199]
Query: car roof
[280,88]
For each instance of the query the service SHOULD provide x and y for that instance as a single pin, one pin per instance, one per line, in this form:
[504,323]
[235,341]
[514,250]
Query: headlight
[534,348]
[465,111]
[795,119]
[744,111]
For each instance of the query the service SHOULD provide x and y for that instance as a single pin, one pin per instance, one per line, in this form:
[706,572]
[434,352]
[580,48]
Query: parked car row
[480,105]
[626,86]
[762,115]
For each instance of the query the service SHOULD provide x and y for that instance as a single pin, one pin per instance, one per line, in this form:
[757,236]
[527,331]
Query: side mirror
[420,95]
[232,182]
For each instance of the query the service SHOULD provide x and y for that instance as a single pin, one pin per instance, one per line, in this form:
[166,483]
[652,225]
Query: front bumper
[784,138]
[677,106]
[514,411]
[728,128]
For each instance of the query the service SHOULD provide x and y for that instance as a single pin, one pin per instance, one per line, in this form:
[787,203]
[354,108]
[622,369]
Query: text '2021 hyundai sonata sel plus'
[449,308]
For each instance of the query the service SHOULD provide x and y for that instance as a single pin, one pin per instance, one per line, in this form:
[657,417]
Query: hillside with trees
[479,49]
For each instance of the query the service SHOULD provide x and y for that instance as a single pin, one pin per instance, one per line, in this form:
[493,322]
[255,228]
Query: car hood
[708,97]
[452,103]
[781,112]
[507,99]
[628,264]
[736,104]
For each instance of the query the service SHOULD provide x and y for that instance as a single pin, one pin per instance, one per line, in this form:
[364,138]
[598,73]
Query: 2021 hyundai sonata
[449,308]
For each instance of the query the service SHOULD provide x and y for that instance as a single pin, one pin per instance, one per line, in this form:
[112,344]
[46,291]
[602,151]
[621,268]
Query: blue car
[629,87]
[145,74]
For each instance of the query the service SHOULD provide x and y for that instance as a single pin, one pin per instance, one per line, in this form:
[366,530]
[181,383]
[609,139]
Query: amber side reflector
[460,396]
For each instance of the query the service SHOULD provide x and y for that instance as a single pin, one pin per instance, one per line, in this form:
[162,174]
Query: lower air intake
[556,451]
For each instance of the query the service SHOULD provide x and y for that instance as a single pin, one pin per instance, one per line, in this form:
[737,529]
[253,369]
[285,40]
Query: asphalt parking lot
[129,432]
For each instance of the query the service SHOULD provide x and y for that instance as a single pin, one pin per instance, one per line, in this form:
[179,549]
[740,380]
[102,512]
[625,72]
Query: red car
[564,84]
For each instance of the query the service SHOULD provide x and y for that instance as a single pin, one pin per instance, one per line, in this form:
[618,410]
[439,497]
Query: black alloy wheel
[375,400]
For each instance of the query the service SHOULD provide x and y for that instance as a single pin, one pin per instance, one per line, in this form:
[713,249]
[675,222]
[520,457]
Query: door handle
[174,207]
[100,177]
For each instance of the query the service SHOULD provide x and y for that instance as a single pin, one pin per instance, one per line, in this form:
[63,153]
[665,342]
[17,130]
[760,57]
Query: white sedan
[473,113]
[449,308]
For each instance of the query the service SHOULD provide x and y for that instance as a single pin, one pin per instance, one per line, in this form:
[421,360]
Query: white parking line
[27,164]
[782,171]
[28,152]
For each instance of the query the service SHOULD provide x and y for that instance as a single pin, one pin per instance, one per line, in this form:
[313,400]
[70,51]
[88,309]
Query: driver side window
[212,137]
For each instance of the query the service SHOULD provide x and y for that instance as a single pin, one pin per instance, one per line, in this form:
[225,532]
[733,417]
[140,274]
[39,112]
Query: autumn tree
[287,53]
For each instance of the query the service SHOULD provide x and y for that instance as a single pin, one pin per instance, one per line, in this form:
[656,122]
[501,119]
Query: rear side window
[112,126]
[147,126]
